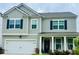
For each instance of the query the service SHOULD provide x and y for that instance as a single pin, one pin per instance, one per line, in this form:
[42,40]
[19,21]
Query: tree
[76,42]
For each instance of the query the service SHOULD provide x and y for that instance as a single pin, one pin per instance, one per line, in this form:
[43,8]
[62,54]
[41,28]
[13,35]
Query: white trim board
[18,39]
[18,34]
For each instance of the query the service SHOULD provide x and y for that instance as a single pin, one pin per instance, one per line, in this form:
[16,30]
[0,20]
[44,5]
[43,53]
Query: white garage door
[20,46]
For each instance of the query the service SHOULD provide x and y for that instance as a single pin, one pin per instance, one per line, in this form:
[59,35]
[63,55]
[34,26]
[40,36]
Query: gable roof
[15,7]
[46,15]
[22,11]
[30,9]
[58,14]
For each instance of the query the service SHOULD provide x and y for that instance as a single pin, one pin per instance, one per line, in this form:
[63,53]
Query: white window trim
[36,24]
[58,23]
[14,18]
[14,23]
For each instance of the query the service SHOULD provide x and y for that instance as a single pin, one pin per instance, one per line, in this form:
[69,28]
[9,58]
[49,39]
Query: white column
[65,44]
[28,25]
[61,44]
[52,43]
[42,43]
[73,45]
[1,35]
[40,25]
[40,52]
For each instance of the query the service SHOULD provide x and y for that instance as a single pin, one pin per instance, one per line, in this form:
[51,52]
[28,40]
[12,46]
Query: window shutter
[21,23]
[65,24]
[50,25]
[7,23]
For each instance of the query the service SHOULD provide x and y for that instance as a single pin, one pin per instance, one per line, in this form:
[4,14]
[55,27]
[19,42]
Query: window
[55,24]
[58,43]
[70,43]
[34,24]
[58,24]
[11,24]
[61,25]
[15,23]
[18,24]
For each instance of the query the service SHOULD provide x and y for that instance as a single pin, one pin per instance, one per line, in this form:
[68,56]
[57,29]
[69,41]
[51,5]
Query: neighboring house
[24,30]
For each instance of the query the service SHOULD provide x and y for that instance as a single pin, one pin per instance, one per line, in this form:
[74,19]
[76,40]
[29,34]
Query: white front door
[20,46]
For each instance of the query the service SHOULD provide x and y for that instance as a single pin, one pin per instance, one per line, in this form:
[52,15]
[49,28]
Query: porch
[56,42]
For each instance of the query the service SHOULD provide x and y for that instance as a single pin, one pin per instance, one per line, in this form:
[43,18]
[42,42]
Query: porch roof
[59,34]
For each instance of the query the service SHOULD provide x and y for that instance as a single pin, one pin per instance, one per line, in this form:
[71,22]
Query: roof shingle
[58,14]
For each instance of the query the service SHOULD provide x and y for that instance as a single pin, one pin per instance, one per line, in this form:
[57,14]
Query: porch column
[65,44]
[52,43]
[40,52]
[73,45]
[27,25]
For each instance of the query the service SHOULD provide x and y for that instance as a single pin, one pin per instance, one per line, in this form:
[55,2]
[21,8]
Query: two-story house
[24,30]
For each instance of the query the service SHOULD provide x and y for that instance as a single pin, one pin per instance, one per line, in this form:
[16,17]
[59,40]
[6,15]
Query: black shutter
[7,23]
[65,24]
[21,23]
[51,25]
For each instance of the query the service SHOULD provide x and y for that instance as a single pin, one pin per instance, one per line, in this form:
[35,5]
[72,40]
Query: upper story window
[14,23]
[17,23]
[58,24]
[11,23]
[61,24]
[34,23]
[55,24]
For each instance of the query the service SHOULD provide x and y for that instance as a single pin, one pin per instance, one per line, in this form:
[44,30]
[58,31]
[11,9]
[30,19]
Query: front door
[46,45]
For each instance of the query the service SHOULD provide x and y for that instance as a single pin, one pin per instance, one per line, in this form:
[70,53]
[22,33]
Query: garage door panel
[12,47]
[20,46]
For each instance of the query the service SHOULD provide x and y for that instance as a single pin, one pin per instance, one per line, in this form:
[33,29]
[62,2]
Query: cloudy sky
[46,7]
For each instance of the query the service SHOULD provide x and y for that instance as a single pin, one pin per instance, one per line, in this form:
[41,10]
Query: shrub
[61,52]
[76,51]
[56,52]
[76,41]
[1,50]
[72,52]
[37,51]
[66,52]
[50,52]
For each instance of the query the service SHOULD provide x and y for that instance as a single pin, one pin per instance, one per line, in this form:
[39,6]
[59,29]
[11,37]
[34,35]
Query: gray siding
[34,31]
[45,24]
[26,24]
[15,14]
[71,25]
